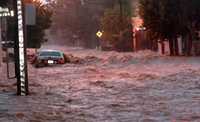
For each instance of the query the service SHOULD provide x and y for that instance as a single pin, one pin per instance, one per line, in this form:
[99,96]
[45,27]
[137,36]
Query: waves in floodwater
[108,86]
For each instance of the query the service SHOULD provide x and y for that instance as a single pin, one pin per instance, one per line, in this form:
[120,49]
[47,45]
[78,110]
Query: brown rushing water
[109,87]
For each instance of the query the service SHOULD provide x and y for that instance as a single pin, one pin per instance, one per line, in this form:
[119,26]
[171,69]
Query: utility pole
[1,51]
[20,49]
[16,47]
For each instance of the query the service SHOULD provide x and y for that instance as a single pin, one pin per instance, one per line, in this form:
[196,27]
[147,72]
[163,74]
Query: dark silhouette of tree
[117,27]
[76,20]
[36,33]
[169,19]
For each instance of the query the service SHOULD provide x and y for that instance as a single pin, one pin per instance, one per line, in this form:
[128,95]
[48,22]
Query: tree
[116,24]
[169,19]
[190,21]
[160,18]
[3,3]
[78,21]
[36,33]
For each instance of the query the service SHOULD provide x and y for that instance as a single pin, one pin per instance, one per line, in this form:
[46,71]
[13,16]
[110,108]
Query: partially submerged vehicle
[48,57]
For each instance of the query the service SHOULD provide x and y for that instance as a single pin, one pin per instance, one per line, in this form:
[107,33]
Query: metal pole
[1,51]
[16,47]
[22,76]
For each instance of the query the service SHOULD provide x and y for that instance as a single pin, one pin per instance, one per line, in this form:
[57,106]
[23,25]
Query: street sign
[99,34]
[30,14]
[23,78]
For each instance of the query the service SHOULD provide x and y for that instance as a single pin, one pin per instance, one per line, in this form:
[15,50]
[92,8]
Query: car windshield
[49,53]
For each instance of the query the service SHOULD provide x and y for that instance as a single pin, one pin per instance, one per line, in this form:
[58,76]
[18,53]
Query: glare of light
[137,29]
[12,13]
[42,1]
[140,28]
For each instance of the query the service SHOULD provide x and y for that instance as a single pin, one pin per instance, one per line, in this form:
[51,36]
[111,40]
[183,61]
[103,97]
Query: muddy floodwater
[107,87]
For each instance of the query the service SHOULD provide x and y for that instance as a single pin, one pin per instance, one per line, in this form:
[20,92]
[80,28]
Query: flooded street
[108,87]
[99,60]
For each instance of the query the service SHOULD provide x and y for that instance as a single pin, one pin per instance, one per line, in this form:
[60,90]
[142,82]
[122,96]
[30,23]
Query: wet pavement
[111,87]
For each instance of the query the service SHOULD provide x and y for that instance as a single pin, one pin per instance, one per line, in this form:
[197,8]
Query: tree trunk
[189,45]
[162,47]
[184,44]
[176,47]
[171,47]
[155,45]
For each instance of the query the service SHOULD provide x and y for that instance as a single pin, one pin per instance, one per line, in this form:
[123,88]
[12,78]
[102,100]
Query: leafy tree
[168,19]
[160,18]
[3,3]
[191,22]
[116,24]
[36,33]
[77,22]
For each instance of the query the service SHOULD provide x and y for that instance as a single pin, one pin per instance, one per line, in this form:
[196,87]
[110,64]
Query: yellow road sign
[99,34]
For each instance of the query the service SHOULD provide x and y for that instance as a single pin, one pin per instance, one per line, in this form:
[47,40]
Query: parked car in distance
[47,58]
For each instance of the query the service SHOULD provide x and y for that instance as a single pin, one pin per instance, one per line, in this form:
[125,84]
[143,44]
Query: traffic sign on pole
[30,14]
[99,34]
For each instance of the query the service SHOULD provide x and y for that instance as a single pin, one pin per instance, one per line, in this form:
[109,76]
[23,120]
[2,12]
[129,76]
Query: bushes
[117,27]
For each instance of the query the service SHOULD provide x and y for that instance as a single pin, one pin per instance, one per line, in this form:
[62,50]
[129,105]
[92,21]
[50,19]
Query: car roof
[48,50]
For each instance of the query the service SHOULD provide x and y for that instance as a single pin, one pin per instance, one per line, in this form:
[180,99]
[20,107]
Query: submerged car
[48,57]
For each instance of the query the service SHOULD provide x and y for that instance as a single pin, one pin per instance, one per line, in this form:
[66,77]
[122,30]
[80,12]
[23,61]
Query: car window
[49,53]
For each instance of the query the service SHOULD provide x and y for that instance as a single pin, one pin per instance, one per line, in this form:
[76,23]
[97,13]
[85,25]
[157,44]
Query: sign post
[99,34]
[22,78]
